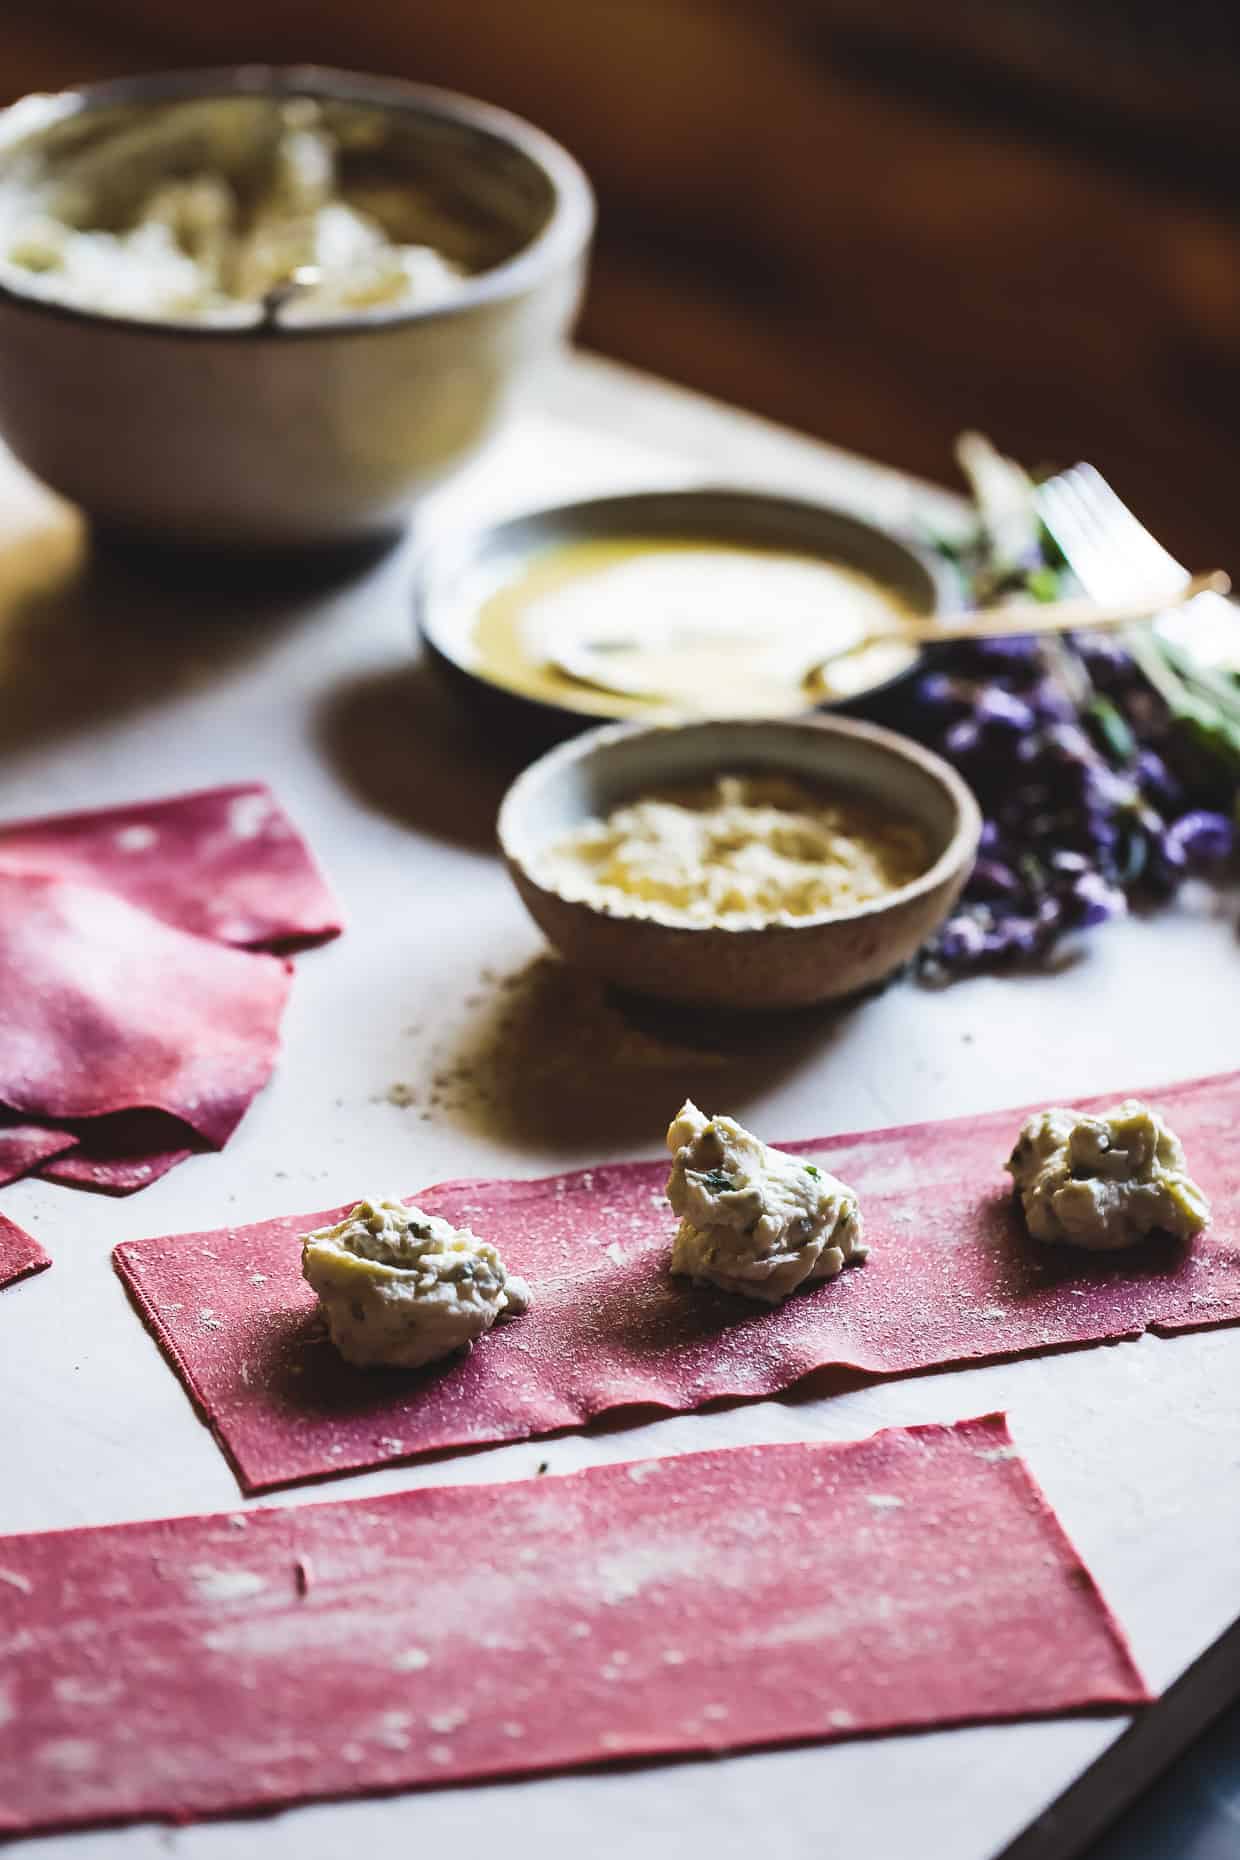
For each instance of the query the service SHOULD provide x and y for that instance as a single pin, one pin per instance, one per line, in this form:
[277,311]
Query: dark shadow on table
[92,629]
[555,1058]
[406,747]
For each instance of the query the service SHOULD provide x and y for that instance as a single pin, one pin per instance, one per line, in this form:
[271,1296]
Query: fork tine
[1111,508]
[1074,525]
[1113,555]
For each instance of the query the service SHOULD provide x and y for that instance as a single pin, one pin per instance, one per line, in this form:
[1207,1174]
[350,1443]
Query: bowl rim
[561,241]
[958,853]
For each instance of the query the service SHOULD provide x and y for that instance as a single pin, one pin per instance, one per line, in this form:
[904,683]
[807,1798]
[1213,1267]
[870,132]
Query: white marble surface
[121,689]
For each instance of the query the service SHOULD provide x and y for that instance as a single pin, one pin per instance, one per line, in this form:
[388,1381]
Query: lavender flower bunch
[1107,769]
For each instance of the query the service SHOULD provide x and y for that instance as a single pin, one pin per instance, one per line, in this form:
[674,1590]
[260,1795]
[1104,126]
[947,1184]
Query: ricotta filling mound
[402,1288]
[753,1219]
[1104,1182]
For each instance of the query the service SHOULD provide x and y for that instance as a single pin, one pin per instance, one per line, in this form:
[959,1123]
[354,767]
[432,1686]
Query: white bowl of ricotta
[742,864]
[272,307]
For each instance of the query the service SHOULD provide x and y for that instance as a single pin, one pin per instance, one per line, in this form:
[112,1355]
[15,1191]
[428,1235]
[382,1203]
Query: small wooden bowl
[776,965]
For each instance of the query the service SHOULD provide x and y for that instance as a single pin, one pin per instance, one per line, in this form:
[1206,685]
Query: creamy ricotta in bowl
[223,211]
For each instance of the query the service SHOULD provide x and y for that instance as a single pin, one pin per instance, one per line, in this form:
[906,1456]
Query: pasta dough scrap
[20,1253]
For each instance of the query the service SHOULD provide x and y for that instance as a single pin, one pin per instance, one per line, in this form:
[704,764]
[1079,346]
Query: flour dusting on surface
[215,1584]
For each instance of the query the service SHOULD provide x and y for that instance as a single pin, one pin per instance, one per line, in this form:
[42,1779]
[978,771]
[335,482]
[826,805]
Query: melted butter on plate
[635,626]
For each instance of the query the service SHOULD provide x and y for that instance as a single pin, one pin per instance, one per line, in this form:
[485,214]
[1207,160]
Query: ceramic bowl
[777,965]
[457,576]
[320,433]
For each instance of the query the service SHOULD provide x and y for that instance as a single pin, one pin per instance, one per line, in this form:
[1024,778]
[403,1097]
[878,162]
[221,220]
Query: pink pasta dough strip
[952,1278]
[714,1601]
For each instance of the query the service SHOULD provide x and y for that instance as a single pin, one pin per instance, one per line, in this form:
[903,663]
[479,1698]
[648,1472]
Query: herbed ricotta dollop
[753,1219]
[1106,1181]
[741,850]
[402,1288]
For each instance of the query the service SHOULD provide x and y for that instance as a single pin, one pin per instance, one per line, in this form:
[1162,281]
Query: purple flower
[1091,900]
[1050,703]
[1156,780]
[961,940]
[992,879]
[1008,654]
[1066,742]
[1049,916]
[963,740]
[951,697]
[1015,936]
[1104,789]
[1198,841]
[999,713]
[1169,863]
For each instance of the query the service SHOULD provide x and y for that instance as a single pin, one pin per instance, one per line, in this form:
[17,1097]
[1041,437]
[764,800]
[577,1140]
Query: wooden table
[117,687]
